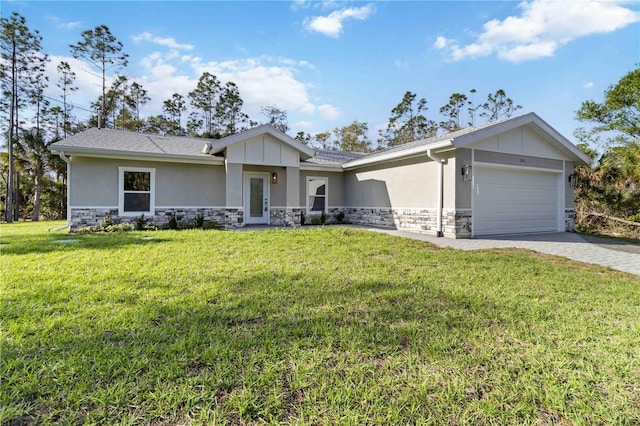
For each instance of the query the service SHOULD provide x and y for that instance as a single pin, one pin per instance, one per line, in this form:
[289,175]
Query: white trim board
[92,207]
[326,192]
[152,190]
[190,207]
[514,167]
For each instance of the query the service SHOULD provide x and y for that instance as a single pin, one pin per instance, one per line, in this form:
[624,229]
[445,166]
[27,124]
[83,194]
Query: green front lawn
[308,326]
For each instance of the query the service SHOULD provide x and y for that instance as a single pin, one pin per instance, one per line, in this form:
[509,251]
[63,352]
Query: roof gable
[465,137]
[532,121]
[221,144]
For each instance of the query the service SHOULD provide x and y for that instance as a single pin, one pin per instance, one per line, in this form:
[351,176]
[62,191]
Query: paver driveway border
[618,255]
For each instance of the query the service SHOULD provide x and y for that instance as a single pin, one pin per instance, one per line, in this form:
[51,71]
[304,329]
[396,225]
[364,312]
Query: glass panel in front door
[255,197]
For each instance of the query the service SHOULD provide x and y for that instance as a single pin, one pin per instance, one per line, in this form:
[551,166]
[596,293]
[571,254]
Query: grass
[313,326]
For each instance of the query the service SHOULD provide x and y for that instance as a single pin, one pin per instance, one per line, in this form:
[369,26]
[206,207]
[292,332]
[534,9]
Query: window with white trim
[136,190]
[317,196]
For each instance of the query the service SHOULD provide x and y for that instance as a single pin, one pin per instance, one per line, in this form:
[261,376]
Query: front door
[256,198]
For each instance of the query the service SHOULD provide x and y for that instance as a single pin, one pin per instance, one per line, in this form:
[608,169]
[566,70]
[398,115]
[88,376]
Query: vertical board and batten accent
[263,150]
[520,141]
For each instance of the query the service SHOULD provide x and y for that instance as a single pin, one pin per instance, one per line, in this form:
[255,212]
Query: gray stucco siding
[407,183]
[336,187]
[94,182]
[568,190]
[188,185]
[463,189]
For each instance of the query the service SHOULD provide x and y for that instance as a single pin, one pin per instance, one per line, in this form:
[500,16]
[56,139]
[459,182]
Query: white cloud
[294,63]
[441,42]
[88,83]
[261,81]
[401,64]
[61,25]
[588,85]
[542,27]
[331,25]
[302,124]
[299,4]
[306,4]
[328,111]
[162,41]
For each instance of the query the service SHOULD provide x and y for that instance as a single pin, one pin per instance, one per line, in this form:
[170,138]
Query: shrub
[210,224]
[634,218]
[340,217]
[302,217]
[121,227]
[199,221]
[323,218]
[316,221]
[183,225]
[173,223]
[107,221]
[140,223]
[86,230]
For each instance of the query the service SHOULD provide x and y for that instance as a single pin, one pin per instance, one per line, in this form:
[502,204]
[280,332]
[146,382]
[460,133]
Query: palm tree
[33,153]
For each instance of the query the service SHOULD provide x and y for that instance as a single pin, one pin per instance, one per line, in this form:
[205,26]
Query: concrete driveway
[618,255]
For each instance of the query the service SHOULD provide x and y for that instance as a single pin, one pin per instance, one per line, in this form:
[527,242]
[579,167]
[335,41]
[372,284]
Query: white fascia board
[321,167]
[128,155]
[396,155]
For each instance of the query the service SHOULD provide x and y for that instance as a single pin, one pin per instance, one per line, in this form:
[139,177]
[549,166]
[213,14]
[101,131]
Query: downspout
[68,161]
[440,193]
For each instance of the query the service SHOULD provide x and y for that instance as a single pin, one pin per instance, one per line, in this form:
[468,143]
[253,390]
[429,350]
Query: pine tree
[21,62]
[102,50]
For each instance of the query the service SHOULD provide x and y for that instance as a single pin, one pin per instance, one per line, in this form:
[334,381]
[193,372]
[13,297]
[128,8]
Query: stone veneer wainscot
[229,218]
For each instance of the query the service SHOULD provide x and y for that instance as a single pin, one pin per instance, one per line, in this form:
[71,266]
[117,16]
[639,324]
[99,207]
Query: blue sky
[331,62]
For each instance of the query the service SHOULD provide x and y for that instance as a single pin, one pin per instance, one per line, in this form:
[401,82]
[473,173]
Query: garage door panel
[514,201]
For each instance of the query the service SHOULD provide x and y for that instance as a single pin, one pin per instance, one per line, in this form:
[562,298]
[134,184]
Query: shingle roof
[431,140]
[120,141]
[135,143]
[325,156]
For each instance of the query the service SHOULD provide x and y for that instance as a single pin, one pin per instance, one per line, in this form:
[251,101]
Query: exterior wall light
[466,173]
[274,177]
[572,180]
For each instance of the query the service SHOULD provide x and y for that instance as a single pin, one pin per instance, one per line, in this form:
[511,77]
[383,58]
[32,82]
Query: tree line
[607,191]
[409,122]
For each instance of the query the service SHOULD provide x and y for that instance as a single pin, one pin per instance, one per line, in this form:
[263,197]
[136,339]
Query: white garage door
[510,201]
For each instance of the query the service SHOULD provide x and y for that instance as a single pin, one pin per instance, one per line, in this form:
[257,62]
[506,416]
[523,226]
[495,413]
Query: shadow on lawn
[216,341]
[226,338]
[47,243]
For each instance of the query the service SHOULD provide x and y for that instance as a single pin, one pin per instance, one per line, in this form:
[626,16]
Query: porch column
[293,187]
[234,216]
[292,214]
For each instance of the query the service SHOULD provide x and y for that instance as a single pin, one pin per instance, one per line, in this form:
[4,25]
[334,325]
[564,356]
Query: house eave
[396,155]
[321,167]
[129,155]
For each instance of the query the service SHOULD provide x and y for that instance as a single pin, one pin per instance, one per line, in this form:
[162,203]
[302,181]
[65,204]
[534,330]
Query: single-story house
[512,176]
